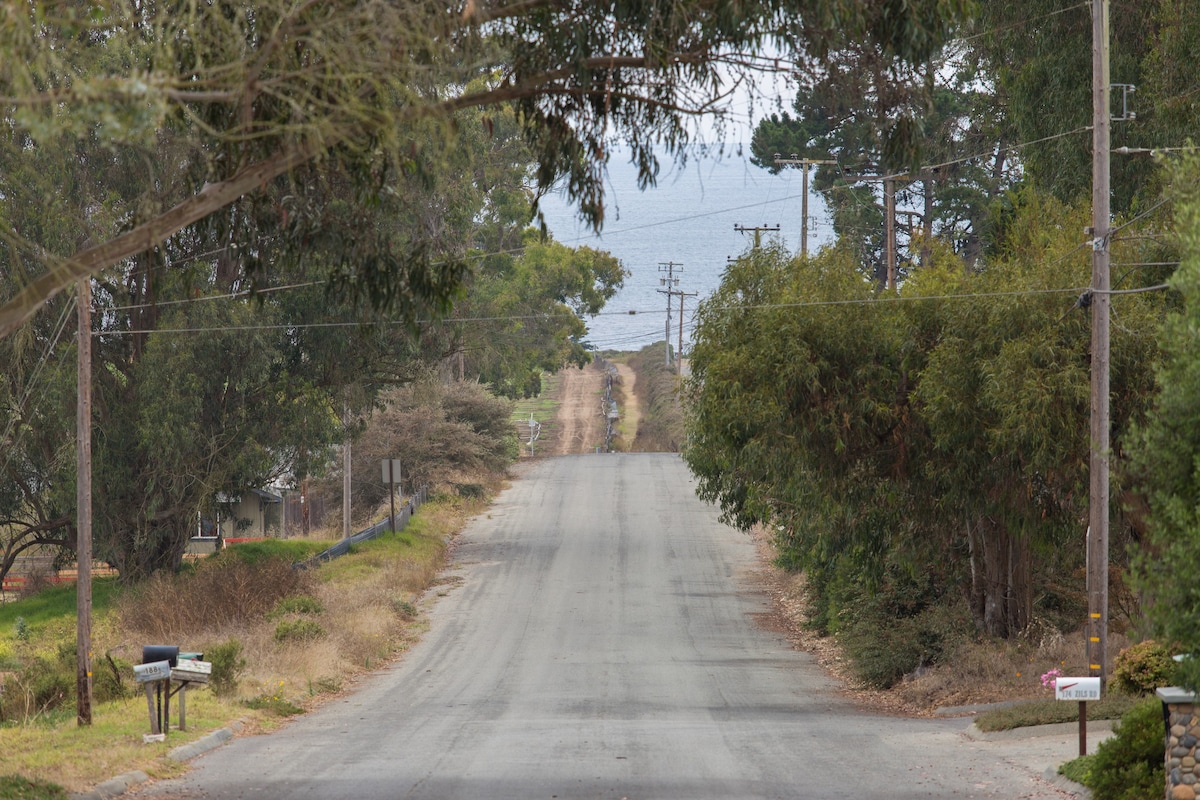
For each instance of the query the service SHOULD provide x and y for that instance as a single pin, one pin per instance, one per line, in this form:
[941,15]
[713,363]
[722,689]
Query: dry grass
[368,601]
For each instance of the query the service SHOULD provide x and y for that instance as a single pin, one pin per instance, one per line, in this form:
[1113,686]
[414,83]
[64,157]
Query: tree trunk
[1001,598]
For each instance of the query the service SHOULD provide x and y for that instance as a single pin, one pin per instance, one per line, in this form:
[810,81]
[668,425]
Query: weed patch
[15,787]
[297,630]
[275,704]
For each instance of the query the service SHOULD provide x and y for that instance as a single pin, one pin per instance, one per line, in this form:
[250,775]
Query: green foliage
[661,426]
[16,787]
[228,663]
[297,630]
[443,434]
[56,604]
[529,309]
[112,679]
[404,609]
[898,627]
[1165,468]
[276,704]
[45,682]
[291,550]
[1141,668]
[296,604]
[937,436]
[1129,766]
[21,630]
[1078,769]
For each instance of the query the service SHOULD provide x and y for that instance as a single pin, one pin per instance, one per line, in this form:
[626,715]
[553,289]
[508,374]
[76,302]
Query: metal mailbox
[160,652]
[154,671]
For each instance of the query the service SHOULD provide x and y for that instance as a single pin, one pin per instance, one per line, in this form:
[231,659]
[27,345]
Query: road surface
[602,643]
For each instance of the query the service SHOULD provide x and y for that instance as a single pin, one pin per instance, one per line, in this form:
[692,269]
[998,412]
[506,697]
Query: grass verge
[366,606]
[1048,712]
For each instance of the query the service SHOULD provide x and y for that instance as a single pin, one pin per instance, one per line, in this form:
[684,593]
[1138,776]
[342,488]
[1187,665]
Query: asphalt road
[602,643]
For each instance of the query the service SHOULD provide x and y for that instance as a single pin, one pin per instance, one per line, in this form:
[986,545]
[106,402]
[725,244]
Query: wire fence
[378,529]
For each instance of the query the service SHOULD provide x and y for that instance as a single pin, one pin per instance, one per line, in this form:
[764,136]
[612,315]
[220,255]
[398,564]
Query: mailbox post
[1082,690]
[162,665]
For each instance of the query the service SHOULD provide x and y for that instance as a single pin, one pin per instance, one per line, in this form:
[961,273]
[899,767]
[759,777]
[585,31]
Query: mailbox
[160,652]
[192,670]
[154,671]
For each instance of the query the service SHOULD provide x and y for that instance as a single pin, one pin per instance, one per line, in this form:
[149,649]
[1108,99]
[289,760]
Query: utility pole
[1097,540]
[679,359]
[889,245]
[670,281]
[83,510]
[758,232]
[346,483]
[806,163]
[889,213]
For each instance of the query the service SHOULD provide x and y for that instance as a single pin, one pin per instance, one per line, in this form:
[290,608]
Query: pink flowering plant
[1050,677]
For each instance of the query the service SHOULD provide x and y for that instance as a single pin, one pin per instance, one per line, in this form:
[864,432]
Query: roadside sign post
[1081,690]
[391,476]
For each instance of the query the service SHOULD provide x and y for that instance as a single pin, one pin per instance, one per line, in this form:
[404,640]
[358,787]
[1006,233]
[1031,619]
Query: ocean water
[688,218]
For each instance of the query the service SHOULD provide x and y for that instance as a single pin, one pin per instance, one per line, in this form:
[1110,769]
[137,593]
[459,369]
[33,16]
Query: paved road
[602,644]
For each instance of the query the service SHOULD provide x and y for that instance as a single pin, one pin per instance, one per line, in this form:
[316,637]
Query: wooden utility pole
[670,281]
[805,163]
[346,477]
[889,245]
[83,510]
[889,213]
[1097,540]
[758,232]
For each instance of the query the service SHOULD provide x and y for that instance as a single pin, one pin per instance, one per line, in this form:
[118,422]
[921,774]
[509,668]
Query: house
[253,515]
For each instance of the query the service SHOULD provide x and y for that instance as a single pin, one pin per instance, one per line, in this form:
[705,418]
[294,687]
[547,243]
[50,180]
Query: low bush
[404,609]
[297,604]
[275,703]
[1129,766]
[897,629]
[1141,668]
[227,667]
[222,591]
[298,630]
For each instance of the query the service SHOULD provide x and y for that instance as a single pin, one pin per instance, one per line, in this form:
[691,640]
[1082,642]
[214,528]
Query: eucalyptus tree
[940,434]
[930,126]
[253,91]
[1165,461]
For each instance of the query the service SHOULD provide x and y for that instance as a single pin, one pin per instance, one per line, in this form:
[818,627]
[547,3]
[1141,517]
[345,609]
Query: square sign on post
[391,470]
[391,477]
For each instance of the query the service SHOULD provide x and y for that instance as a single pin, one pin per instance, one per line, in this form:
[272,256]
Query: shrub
[1129,766]
[404,609]
[298,630]
[297,604]
[227,666]
[109,679]
[221,591]
[1141,668]
[900,627]
[46,682]
[276,704]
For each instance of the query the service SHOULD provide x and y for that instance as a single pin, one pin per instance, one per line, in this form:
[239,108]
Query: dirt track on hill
[580,424]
